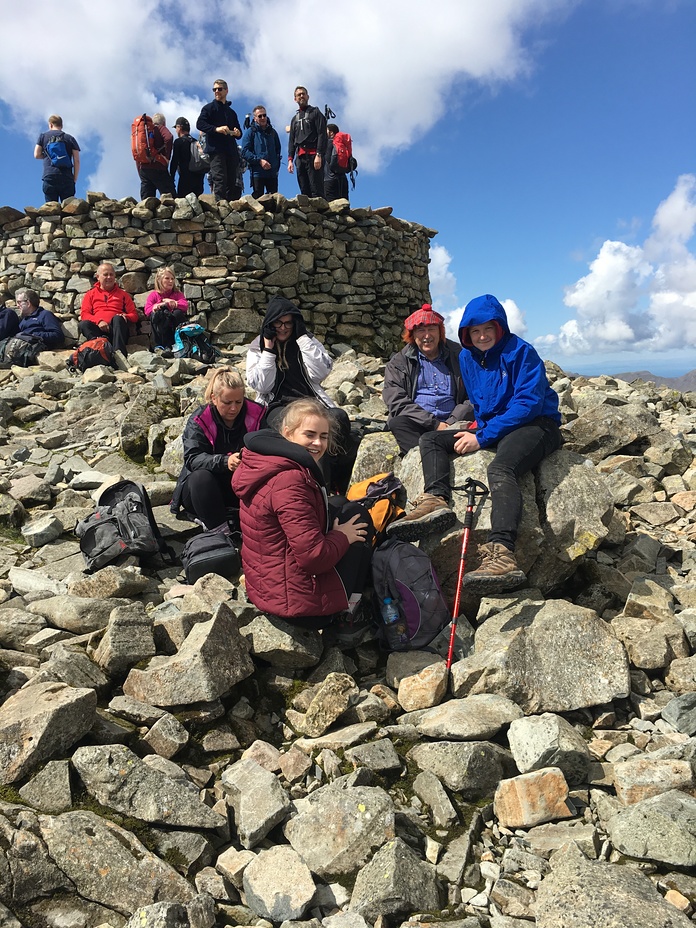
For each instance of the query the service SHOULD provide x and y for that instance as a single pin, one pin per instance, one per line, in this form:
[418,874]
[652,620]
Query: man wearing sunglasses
[261,151]
[221,126]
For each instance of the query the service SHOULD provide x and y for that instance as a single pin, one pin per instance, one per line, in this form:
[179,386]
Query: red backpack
[343,144]
[89,354]
[147,145]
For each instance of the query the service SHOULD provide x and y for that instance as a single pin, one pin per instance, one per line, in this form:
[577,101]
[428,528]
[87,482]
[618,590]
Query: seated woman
[213,438]
[285,363]
[166,309]
[302,561]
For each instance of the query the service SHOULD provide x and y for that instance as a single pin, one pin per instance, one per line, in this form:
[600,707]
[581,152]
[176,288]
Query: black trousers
[336,187]
[208,495]
[163,324]
[310,180]
[515,455]
[154,181]
[117,333]
[223,176]
[407,431]
[261,185]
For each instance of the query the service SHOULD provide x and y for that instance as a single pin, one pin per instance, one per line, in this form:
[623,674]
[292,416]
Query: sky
[550,143]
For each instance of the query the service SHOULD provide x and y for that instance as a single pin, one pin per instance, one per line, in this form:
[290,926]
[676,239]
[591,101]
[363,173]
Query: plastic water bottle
[390,611]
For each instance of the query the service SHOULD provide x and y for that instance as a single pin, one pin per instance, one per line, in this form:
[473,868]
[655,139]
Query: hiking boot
[430,514]
[350,631]
[497,571]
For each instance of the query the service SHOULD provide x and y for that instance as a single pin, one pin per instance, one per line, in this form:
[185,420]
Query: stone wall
[356,273]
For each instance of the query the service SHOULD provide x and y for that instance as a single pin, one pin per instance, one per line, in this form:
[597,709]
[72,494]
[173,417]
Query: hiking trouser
[154,181]
[261,184]
[223,176]
[407,431]
[309,179]
[208,495]
[59,186]
[163,324]
[117,333]
[516,454]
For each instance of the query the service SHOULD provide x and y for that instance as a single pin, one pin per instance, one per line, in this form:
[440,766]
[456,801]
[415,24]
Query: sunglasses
[261,116]
[218,89]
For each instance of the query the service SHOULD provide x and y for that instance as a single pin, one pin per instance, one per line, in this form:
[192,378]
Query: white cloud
[385,68]
[637,297]
[515,317]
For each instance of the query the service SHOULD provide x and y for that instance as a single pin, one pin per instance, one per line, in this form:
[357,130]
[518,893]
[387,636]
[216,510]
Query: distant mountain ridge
[685,384]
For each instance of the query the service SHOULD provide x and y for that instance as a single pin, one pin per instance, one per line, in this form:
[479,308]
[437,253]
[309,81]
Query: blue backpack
[57,152]
[191,341]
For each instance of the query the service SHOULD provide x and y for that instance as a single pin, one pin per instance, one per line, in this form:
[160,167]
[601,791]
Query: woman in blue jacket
[516,415]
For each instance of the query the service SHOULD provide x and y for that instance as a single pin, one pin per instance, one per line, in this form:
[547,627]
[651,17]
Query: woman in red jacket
[300,563]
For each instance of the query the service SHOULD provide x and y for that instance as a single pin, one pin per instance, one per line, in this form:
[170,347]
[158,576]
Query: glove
[267,331]
[300,327]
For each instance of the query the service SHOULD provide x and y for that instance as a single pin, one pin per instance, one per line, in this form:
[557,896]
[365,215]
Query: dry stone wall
[356,273]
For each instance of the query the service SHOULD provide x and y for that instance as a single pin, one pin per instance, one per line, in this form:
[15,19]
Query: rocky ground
[171,757]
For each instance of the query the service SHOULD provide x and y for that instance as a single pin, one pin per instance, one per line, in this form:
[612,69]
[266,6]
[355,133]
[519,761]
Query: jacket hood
[280,306]
[482,309]
[271,454]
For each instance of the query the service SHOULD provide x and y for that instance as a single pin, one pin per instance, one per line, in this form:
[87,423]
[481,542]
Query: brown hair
[299,410]
[55,121]
[224,378]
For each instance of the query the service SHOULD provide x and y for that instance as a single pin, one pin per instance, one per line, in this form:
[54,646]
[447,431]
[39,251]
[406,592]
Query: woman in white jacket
[286,363]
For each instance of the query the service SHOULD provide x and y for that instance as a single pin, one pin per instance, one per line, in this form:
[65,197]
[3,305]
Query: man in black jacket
[221,126]
[423,388]
[307,145]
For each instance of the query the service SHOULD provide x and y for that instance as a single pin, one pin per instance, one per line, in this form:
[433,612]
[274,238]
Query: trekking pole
[473,489]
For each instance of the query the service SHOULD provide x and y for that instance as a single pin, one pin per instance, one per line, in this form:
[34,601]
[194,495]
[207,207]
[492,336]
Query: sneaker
[429,514]
[497,571]
[349,631]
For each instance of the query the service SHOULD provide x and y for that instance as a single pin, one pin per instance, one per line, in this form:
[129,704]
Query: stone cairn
[171,757]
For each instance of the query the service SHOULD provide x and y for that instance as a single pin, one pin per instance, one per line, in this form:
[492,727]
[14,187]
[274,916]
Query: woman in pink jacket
[303,561]
[166,308]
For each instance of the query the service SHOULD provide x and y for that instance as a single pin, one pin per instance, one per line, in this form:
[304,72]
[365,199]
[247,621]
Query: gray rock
[167,736]
[41,531]
[583,894]
[108,865]
[49,790]
[395,882]
[149,407]
[680,712]
[377,755]
[336,830]
[118,779]
[32,873]
[278,885]
[330,701]
[69,665]
[473,718]
[76,614]
[257,798]
[39,722]
[552,657]
[473,768]
[430,790]
[108,583]
[127,640]
[212,659]
[662,828]
[17,626]
[549,741]
[282,644]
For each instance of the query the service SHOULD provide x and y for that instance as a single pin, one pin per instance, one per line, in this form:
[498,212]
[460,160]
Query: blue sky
[550,142]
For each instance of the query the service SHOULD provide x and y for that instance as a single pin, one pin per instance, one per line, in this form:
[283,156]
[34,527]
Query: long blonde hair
[224,378]
[297,411]
[159,274]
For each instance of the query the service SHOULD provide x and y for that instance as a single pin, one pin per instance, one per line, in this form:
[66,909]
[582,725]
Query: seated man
[423,387]
[516,416]
[37,322]
[107,309]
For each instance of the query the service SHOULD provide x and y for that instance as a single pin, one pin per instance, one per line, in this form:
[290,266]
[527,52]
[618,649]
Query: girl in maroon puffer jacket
[300,563]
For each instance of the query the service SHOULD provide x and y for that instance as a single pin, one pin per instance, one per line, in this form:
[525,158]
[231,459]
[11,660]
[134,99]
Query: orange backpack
[147,144]
[379,496]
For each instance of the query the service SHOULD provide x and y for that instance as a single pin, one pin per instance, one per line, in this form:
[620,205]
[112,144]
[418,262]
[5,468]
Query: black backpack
[191,341]
[22,350]
[404,574]
[123,524]
[211,552]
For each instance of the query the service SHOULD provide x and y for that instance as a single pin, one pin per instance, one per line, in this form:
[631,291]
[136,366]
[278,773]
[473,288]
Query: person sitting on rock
[423,388]
[305,558]
[106,310]
[212,439]
[166,308]
[38,322]
[9,322]
[516,416]
[286,363]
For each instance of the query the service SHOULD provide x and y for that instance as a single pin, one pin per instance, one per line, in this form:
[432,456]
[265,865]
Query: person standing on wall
[189,181]
[61,161]
[261,151]
[221,126]
[307,145]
